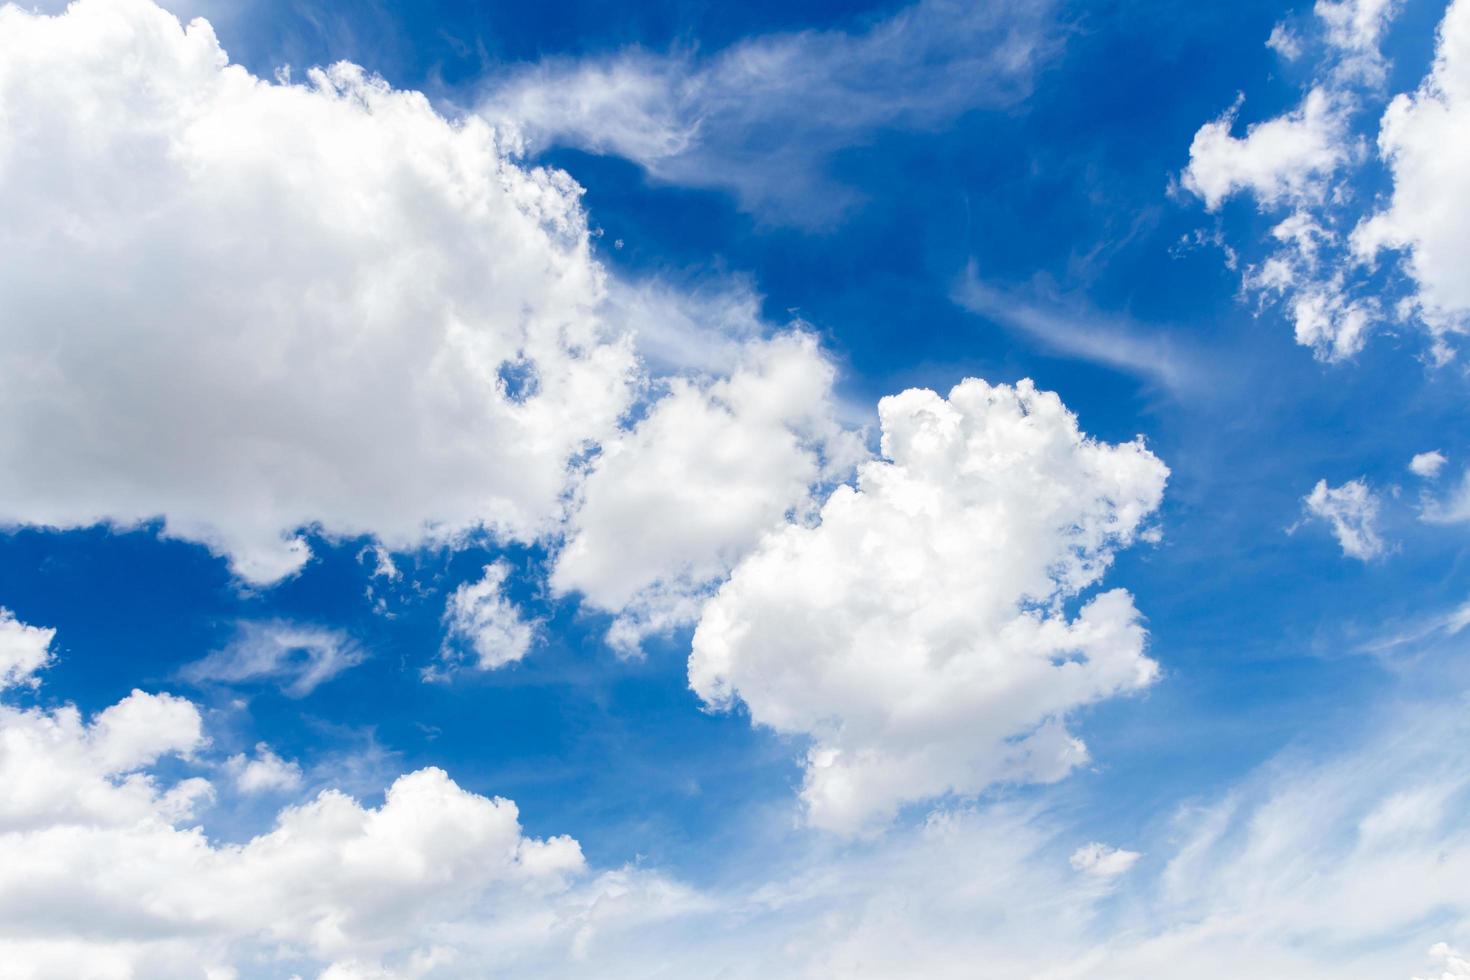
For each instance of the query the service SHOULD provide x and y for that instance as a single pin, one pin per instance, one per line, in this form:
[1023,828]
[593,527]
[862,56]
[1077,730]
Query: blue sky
[499,420]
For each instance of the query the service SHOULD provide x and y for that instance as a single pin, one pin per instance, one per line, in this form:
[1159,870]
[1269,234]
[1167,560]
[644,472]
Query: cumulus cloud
[24,651]
[323,305]
[673,504]
[481,616]
[1425,139]
[1351,510]
[762,117]
[1427,464]
[917,633]
[103,872]
[1286,158]
[265,772]
[297,658]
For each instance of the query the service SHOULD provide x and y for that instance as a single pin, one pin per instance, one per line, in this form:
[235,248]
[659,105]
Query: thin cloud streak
[1074,332]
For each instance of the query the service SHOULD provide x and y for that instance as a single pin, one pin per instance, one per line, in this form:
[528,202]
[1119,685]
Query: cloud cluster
[919,633]
[1307,165]
[255,308]
[104,871]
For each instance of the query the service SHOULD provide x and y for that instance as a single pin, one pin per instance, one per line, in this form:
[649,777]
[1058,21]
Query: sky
[734,490]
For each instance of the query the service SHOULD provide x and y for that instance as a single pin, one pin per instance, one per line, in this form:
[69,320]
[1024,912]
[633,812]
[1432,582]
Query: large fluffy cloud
[919,633]
[250,306]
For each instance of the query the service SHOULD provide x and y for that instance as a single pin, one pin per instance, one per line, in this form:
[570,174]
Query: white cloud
[1285,42]
[1103,860]
[918,632]
[296,657]
[1355,28]
[1284,159]
[1456,967]
[1310,160]
[24,651]
[58,770]
[479,614]
[1352,512]
[1452,508]
[103,875]
[251,307]
[762,117]
[1427,464]
[265,773]
[1425,140]
[672,505]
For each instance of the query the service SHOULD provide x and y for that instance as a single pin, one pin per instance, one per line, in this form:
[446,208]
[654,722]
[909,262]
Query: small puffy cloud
[1351,510]
[479,615]
[1427,465]
[1102,861]
[265,772]
[251,307]
[1282,159]
[672,505]
[24,651]
[1285,42]
[298,658]
[1425,140]
[918,633]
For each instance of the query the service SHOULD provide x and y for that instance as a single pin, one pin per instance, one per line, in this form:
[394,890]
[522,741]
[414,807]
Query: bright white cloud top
[321,304]
[1425,138]
[919,632]
[670,506]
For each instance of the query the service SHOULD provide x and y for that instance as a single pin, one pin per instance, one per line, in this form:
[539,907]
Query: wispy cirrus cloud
[297,658]
[762,118]
[1074,331]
